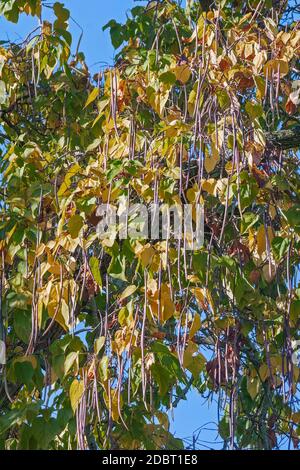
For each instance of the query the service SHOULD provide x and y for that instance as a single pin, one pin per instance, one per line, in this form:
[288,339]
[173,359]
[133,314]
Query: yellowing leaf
[182,73]
[75,224]
[195,325]
[269,272]
[71,358]
[274,65]
[158,98]
[113,404]
[67,181]
[211,162]
[191,349]
[31,359]
[259,60]
[95,269]
[92,96]
[296,417]
[160,302]
[254,110]
[260,87]
[99,343]
[264,372]
[146,254]
[193,360]
[47,28]
[76,392]
[253,387]
[61,311]
[261,240]
[209,185]
[167,307]
[128,291]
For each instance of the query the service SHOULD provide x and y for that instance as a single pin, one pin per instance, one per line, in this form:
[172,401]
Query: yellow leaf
[168,307]
[62,315]
[261,240]
[76,392]
[210,162]
[67,181]
[264,372]
[92,96]
[146,254]
[182,73]
[112,403]
[209,185]
[248,51]
[195,325]
[272,66]
[163,419]
[47,28]
[128,291]
[259,60]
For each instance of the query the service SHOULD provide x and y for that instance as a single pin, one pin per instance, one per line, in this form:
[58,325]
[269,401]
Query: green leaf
[295,311]
[224,427]
[22,325]
[10,10]
[13,417]
[117,268]
[249,219]
[168,78]
[95,269]
[45,431]
[200,265]
[61,12]
[280,246]
[254,110]
[24,372]
[293,215]
[104,368]
[116,33]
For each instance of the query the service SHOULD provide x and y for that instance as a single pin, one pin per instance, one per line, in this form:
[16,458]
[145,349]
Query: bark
[285,139]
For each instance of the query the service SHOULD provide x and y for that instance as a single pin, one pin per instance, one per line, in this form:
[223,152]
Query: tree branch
[285,139]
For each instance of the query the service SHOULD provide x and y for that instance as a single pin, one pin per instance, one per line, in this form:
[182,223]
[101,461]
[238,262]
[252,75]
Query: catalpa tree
[102,336]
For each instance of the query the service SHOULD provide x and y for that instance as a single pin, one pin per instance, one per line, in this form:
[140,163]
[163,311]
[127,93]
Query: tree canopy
[105,336]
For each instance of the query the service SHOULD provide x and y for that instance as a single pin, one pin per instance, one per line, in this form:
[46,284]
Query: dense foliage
[105,336]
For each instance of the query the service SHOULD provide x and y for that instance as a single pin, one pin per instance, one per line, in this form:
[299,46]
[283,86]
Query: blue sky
[194,413]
